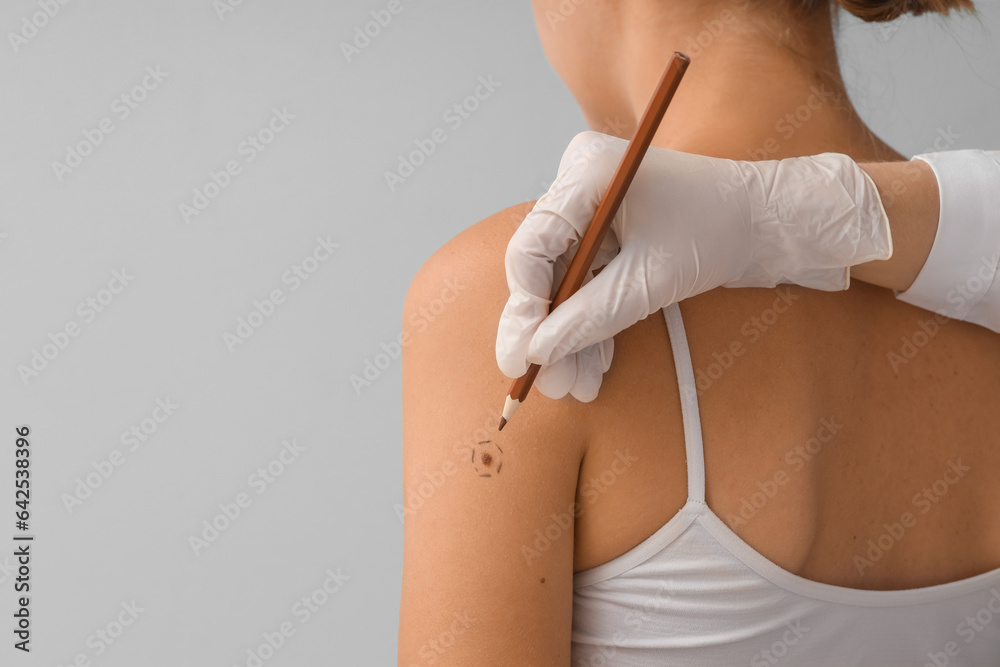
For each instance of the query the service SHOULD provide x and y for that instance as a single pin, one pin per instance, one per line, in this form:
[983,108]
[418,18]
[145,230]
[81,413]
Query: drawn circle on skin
[484,454]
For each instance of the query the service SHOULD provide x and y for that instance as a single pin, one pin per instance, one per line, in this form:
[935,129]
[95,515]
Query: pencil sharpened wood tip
[509,406]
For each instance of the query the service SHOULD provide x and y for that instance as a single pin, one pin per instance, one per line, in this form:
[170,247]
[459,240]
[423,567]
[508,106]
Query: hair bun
[887,10]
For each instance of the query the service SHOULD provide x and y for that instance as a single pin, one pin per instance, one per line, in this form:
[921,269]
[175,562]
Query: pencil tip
[509,406]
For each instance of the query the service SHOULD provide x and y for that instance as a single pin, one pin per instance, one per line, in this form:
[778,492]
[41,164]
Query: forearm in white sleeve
[960,278]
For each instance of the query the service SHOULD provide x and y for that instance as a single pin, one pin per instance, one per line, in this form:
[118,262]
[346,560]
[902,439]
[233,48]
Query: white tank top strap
[689,403]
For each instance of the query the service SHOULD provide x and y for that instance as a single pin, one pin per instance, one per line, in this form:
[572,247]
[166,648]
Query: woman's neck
[758,87]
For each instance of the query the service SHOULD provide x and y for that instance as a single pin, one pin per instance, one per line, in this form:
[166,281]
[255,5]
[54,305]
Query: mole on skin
[487,456]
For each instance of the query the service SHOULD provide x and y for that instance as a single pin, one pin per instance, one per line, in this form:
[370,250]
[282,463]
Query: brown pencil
[591,241]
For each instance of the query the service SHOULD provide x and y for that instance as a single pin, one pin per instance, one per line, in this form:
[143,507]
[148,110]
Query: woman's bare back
[850,438]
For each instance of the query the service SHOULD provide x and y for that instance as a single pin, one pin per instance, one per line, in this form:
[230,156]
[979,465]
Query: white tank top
[694,593]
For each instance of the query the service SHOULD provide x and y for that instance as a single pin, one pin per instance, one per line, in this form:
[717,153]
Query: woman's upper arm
[488,516]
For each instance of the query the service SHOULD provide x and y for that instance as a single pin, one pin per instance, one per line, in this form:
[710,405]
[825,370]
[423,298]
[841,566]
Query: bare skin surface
[900,405]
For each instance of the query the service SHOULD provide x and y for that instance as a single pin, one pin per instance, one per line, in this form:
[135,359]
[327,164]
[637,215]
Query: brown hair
[887,10]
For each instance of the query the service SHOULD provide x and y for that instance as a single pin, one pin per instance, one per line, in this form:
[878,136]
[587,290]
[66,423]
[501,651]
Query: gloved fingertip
[538,353]
[510,364]
[589,372]
[586,391]
[557,380]
[607,351]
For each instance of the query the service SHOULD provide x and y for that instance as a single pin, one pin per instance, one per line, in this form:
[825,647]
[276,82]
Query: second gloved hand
[688,224]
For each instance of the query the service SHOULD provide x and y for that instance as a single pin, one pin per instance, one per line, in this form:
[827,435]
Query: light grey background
[161,337]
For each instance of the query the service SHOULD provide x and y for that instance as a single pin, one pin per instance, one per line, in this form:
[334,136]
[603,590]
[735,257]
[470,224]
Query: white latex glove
[960,278]
[688,224]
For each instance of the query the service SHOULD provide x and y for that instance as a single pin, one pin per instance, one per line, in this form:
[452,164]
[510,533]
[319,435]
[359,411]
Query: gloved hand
[688,224]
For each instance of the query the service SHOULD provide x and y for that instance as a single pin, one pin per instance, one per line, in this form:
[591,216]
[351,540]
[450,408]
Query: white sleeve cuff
[960,279]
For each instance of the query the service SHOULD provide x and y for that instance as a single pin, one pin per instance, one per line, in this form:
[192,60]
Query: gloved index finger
[554,226]
[530,260]
[558,220]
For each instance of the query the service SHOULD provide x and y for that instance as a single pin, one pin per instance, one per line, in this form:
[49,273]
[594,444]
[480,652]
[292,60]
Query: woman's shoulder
[484,241]
[476,499]
[462,287]
[450,319]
